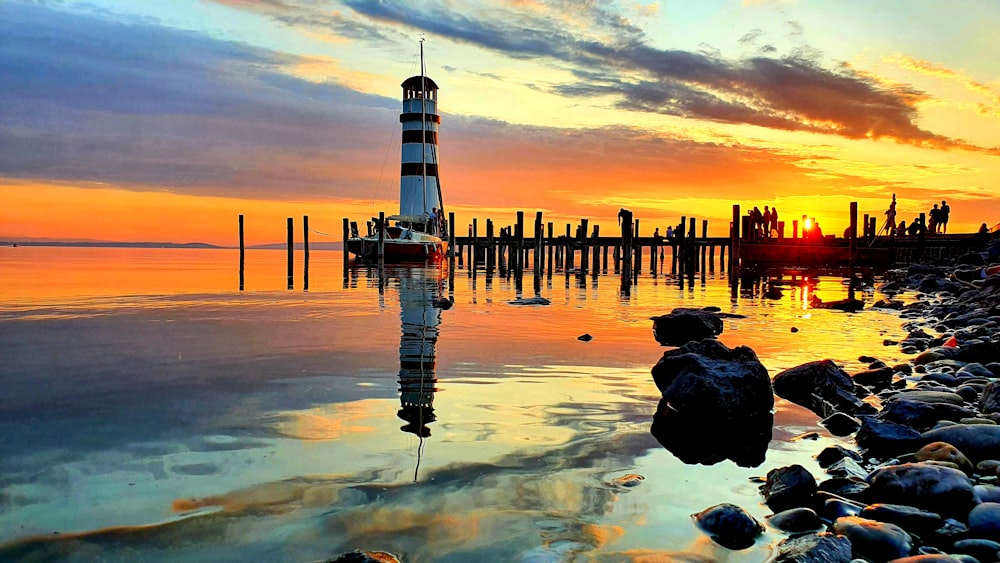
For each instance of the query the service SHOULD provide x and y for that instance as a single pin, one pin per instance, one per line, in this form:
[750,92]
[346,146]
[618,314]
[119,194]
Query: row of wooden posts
[509,249]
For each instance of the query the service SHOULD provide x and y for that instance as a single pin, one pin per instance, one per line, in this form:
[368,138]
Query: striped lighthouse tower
[419,189]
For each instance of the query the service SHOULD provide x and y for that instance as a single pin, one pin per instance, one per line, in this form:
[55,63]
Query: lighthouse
[419,190]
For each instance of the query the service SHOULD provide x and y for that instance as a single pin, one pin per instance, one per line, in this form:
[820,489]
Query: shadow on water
[707,440]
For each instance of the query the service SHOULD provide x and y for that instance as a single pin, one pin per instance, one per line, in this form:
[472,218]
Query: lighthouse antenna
[423,128]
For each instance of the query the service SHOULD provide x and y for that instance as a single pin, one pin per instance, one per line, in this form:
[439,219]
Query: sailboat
[418,233]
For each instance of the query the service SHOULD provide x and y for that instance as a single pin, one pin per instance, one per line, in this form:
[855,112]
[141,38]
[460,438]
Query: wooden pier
[745,253]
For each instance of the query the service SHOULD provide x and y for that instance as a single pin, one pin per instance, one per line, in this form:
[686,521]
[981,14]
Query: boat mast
[423,130]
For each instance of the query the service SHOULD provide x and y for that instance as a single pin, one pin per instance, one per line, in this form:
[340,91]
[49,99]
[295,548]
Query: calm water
[151,411]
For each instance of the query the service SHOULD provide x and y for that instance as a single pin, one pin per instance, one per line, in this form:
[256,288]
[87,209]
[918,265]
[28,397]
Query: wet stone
[796,520]
[814,548]
[831,454]
[942,451]
[877,378]
[990,400]
[909,518]
[840,424]
[853,488]
[729,525]
[882,438]
[819,386]
[984,521]
[788,487]
[873,540]
[846,467]
[837,508]
[928,558]
[988,467]
[981,549]
[710,379]
[976,441]
[358,556]
[939,489]
[683,325]
[930,396]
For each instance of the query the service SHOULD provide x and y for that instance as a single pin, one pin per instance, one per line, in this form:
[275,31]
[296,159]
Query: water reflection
[707,440]
[420,305]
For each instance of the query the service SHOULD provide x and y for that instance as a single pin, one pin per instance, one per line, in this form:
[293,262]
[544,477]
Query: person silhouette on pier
[945,212]
[890,215]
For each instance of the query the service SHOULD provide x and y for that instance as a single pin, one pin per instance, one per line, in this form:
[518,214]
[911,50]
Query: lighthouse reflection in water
[421,303]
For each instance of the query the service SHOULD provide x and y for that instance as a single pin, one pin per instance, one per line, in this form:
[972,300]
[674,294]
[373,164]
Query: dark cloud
[793,93]
[88,98]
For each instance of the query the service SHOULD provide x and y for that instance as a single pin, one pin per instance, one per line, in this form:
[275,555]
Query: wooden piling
[570,253]
[451,235]
[704,249]
[380,253]
[596,266]
[242,252]
[291,274]
[637,250]
[305,254]
[852,243]
[734,253]
[551,249]
[474,247]
[584,248]
[520,242]
[347,231]
[490,250]
[627,231]
[539,250]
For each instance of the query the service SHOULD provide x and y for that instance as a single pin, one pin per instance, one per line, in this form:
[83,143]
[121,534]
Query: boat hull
[398,251]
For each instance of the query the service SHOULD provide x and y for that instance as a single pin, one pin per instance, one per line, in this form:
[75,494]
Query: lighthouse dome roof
[413,83]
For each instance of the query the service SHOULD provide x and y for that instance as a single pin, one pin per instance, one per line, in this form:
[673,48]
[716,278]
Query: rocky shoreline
[917,477]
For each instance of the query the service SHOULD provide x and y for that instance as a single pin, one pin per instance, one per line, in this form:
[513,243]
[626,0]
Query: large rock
[707,440]
[976,441]
[683,325]
[814,548]
[709,379]
[729,525]
[820,386]
[936,488]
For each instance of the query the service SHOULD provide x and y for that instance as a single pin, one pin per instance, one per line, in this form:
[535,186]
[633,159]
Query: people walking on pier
[670,232]
[934,217]
[945,212]
[773,227]
[756,222]
[765,222]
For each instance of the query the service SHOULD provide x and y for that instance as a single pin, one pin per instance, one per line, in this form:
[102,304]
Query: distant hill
[119,244]
[298,246]
[108,244]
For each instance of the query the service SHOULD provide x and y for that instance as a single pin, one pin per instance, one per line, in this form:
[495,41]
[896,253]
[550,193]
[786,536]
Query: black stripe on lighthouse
[413,169]
[430,137]
[416,116]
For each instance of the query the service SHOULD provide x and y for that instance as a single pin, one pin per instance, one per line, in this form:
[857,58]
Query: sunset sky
[135,120]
